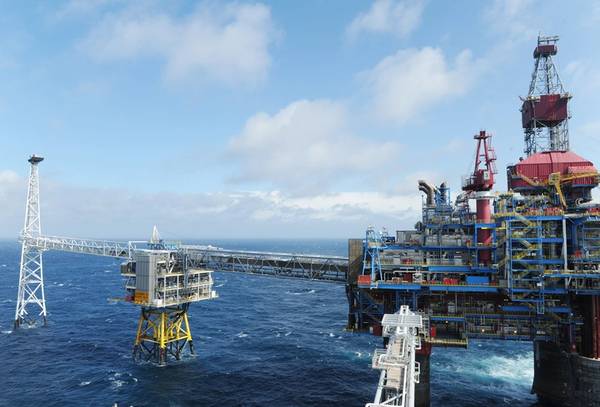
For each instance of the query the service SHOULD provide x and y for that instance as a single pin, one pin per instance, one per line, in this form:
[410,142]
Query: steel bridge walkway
[291,265]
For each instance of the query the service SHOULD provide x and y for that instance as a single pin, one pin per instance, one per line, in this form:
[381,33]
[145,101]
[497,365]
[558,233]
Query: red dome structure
[532,175]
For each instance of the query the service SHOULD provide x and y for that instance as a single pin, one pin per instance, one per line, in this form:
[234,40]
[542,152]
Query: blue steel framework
[541,259]
[542,283]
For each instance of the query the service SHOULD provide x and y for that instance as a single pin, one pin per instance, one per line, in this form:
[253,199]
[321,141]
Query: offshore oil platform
[522,266]
[526,270]
[162,278]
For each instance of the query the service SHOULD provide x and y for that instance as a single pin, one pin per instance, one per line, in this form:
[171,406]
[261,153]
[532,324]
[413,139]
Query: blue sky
[268,119]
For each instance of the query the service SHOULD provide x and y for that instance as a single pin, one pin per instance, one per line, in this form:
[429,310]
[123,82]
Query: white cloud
[591,129]
[306,146]
[342,205]
[229,42]
[9,177]
[585,138]
[583,76]
[123,214]
[411,81]
[12,190]
[512,18]
[585,133]
[400,17]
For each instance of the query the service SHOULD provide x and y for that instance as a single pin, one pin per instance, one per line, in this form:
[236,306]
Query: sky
[306,119]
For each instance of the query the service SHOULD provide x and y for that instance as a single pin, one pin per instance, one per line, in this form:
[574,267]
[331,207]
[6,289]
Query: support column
[565,379]
[423,388]
[162,332]
[484,236]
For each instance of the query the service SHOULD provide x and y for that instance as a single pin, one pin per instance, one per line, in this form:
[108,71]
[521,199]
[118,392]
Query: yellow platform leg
[162,332]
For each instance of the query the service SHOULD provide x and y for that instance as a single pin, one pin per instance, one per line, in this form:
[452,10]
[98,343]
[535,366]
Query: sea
[265,341]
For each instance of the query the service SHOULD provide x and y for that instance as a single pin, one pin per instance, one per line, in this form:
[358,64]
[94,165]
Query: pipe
[428,190]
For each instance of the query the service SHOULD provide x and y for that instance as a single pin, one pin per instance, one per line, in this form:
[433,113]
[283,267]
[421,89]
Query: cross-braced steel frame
[31,304]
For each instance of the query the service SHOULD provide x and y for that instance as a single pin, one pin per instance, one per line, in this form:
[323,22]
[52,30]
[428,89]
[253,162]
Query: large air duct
[428,189]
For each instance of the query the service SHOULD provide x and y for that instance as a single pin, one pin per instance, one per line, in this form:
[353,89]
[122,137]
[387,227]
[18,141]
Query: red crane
[482,178]
[479,183]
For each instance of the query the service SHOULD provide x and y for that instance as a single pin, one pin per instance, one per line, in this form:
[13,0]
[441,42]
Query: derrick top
[546,46]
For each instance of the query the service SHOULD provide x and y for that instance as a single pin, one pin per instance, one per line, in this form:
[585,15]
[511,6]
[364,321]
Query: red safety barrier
[364,279]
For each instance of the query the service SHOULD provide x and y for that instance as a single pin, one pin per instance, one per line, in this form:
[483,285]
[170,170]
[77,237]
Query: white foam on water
[288,333]
[300,292]
[7,332]
[84,383]
[518,369]
[117,383]
[513,370]
[242,335]
[119,379]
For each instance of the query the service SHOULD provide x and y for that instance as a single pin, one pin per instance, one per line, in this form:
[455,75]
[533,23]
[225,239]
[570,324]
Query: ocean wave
[511,369]
[119,379]
[7,332]
[278,333]
[242,335]
[301,291]
[117,383]
[84,384]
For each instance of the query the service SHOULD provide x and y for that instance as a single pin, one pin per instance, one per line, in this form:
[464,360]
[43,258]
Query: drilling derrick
[550,168]
[31,276]
[478,184]
[544,111]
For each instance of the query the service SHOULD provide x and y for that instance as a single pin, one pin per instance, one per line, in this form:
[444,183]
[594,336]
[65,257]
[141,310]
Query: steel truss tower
[31,304]
[162,332]
[544,112]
